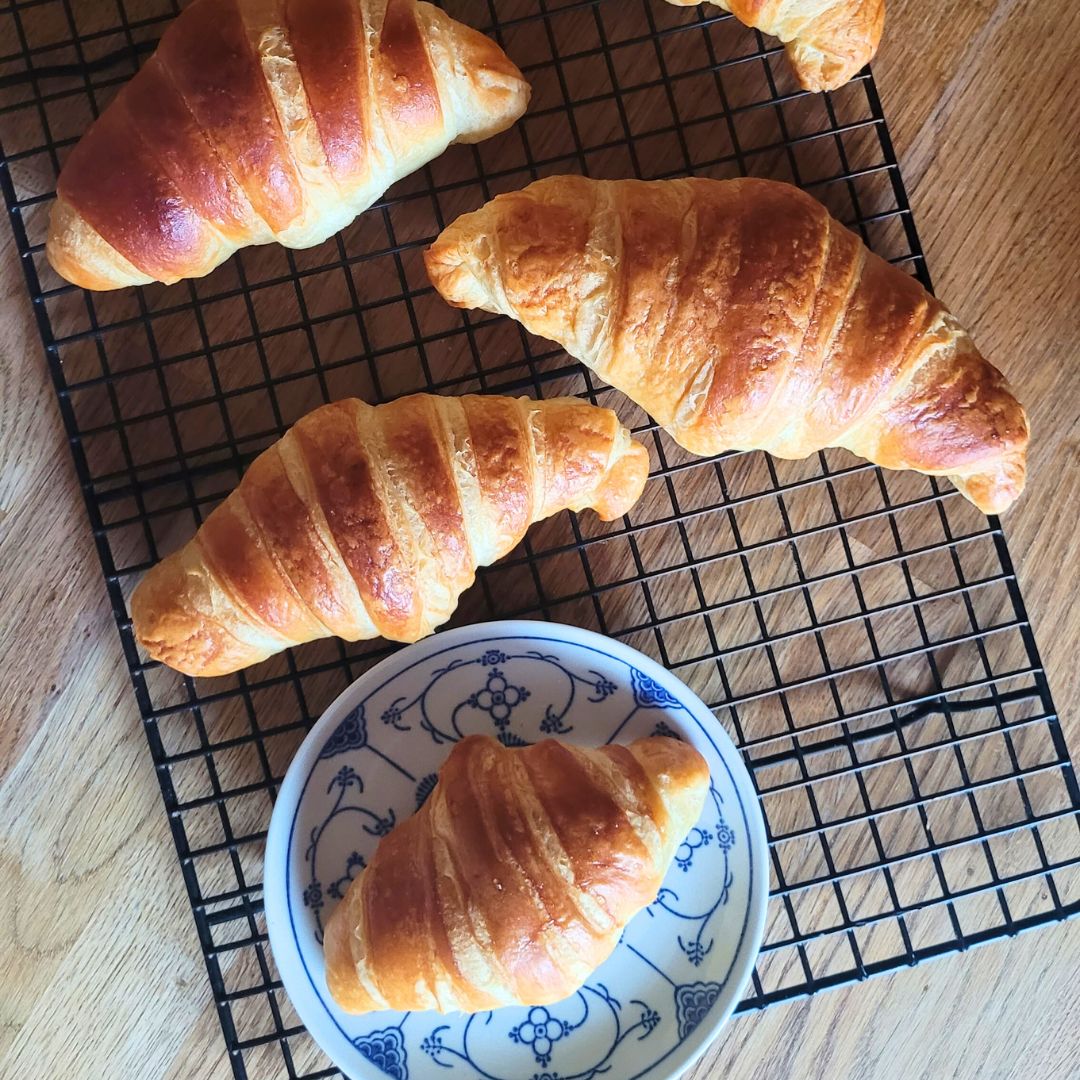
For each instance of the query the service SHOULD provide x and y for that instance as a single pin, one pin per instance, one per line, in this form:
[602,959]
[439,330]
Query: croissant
[742,316]
[263,120]
[828,41]
[371,520]
[513,882]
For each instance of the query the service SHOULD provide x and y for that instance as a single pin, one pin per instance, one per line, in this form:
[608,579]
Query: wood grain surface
[98,954]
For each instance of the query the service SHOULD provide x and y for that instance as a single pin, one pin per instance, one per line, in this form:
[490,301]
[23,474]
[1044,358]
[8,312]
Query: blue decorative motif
[350,734]
[552,724]
[432,1043]
[540,1031]
[345,780]
[667,899]
[695,838]
[603,688]
[692,1003]
[499,698]
[380,825]
[354,862]
[649,694]
[345,777]
[725,835]
[392,716]
[425,788]
[385,1050]
[666,730]
[545,1035]
[508,738]
[650,1018]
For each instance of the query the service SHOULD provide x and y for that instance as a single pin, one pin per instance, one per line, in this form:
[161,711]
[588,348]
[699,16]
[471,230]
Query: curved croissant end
[269,120]
[828,41]
[741,316]
[370,521]
[515,879]
[994,490]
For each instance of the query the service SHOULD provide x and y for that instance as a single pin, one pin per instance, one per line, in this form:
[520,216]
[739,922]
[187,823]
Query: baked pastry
[828,41]
[371,520]
[264,120]
[513,882]
[742,316]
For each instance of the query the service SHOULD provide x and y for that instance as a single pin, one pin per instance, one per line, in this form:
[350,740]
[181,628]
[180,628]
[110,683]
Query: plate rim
[279,837]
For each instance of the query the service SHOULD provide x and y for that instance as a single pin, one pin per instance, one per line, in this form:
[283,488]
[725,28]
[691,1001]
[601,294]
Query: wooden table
[981,96]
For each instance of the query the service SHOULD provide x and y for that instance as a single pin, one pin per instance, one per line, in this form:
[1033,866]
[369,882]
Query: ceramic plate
[370,762]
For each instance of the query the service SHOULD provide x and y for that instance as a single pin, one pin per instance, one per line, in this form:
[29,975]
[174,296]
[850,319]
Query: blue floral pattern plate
[371,761]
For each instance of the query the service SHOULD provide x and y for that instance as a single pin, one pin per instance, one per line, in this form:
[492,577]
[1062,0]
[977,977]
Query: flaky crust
[367,521]
[513,882]
[828,41]
[269,120]
[741,316]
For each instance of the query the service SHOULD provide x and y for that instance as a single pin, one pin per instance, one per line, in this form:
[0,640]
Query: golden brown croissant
[262,120]
[365,521]
[828,41]
[513,882]
[742,316]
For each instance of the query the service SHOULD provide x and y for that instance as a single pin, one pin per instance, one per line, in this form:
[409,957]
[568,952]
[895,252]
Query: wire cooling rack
[860,634]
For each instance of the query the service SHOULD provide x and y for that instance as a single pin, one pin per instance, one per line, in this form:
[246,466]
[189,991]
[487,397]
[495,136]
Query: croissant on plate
[371,520]
[828,41]
[513,882]
[741,316]
[269,120]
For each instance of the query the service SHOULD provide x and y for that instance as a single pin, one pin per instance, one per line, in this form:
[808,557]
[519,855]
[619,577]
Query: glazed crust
[269,120]
[513,882]
[365,521]
[828,41]
[742,316]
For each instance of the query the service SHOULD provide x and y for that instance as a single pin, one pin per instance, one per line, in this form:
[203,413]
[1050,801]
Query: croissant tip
[833,57]
[447,271]
[497,83]
[995,489]
[623,484]
[170,621]
[62,260]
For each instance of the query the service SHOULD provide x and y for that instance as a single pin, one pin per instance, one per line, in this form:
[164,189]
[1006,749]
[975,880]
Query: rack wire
[860,634]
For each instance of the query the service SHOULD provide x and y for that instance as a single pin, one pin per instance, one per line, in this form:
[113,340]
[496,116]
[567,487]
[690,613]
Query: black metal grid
[861,634]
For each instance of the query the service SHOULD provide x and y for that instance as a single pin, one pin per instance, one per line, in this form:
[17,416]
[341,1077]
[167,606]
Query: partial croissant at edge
[742,316]
[269,120]
[366,521]
[514,881]
[828,41]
